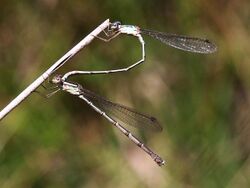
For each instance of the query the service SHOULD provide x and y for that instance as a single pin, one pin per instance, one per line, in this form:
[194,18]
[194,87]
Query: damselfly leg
[109,36]
[51,90]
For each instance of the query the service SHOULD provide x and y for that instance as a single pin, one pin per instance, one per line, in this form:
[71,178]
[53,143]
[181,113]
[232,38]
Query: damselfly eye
[115,25]
[56,79]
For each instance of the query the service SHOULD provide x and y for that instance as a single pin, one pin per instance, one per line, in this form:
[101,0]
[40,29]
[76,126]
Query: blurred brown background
[202,101]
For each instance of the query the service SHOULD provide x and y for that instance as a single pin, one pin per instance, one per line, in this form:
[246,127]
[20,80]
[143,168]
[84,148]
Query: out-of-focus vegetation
[202,101]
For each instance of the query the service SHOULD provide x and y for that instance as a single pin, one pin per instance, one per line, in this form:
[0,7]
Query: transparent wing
[191,44]
[122,114]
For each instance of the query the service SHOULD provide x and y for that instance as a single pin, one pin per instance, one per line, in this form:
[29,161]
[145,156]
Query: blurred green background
[202,101]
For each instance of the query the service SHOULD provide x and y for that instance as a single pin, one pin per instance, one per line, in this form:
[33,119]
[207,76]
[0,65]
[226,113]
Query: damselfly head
[57,79]
[115,25]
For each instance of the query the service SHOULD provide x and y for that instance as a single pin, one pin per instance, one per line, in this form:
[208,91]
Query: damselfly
[190,44]
[117,114]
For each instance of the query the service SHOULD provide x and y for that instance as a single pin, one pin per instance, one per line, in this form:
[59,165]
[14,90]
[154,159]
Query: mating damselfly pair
[118,114]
